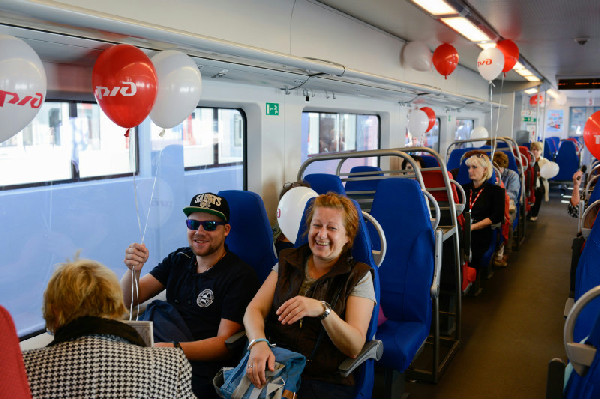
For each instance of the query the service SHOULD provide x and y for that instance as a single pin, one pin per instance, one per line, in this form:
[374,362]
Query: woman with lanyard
[485,201]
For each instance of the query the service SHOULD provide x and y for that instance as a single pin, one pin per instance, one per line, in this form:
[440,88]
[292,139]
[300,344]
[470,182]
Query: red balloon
[535,100]
[445,59]
[125,84]
[591,134]
[431,115]
[511,53]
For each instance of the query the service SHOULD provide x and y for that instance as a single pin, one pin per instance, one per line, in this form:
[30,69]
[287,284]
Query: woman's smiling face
[327,233]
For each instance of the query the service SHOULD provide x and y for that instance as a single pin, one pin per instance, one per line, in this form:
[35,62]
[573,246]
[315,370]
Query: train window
[66,141]
[93,217]
[325,133]
[578,117]
[464,127]
[211,137]
[430,139]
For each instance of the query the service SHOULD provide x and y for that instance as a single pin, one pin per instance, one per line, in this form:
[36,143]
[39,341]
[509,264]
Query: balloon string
[495,132]
[134,281]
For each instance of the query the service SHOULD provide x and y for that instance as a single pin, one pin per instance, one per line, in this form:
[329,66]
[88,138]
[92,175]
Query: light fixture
[486,45]
[466,28]
[435,7]
[532,78]
[533,90]
[553,93]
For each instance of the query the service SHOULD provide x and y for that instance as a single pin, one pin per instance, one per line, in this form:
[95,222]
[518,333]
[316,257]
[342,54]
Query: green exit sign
[529,119]
[272,109]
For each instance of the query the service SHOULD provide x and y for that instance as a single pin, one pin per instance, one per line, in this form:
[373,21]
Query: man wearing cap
[207,288]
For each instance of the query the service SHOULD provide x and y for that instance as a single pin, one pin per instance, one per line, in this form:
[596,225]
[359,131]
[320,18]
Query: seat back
[323,183]
[455,157]
[361,251]
[586,386]
[429,161]
[364,185]
[13,378]
[251,236]
[407,270]
[587,277]
[567,160]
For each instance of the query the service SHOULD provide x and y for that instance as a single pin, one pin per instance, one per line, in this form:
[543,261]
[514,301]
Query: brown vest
[338,282]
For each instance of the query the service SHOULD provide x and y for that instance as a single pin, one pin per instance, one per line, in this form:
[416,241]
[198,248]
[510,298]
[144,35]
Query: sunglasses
[208,225]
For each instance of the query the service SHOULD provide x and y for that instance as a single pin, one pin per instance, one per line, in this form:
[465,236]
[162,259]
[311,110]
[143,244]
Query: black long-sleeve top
[489,204]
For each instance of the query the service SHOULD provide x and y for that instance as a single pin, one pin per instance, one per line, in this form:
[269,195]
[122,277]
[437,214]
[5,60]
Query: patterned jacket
[93,357]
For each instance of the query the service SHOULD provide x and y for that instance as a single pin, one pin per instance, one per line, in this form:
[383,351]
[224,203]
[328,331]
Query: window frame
[216,163]
[308,156]
[75,178]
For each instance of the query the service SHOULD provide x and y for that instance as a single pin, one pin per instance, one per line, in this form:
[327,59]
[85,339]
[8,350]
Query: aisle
[513,329]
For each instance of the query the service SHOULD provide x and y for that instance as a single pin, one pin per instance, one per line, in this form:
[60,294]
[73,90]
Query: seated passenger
[406,165]
[485,201]
[93,355]
[512,185]
[510,178]
[574,201]
[317,301]
[208,289]
[280,240]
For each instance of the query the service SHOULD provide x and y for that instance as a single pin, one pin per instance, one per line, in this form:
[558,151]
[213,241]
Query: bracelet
[256,341]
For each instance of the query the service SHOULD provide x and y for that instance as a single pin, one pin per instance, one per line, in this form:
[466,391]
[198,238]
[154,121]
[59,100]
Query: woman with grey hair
[485,202]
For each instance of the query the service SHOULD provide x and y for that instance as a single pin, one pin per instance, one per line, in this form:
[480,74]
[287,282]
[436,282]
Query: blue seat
[567,160]
[455,157]
[361,250]
[364,185]
[251,237]
[429,161]
[550,148]
[595,195]
[586,386]
[406,272]
[587,277]
[323,183]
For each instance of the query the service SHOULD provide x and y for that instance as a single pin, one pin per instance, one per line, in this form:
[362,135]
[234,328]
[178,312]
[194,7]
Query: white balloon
[418,123]
[417,55]
[179,88]
[549,170]
[479,132]
[22,85]
[490,63]
[290,210]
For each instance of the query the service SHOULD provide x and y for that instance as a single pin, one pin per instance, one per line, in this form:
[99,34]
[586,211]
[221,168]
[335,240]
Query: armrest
[371,350]
[236,342]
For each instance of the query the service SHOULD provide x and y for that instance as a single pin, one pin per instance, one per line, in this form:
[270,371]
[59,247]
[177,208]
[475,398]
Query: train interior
[327,92]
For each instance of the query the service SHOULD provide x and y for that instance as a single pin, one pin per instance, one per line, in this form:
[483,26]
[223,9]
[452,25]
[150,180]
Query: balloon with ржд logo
[490,63]
[125,84]
[22,85]
[591,134]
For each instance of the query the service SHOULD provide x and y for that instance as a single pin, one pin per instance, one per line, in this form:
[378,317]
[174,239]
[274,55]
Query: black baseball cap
[209,203]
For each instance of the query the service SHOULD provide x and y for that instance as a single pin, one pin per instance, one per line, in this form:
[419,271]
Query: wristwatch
[326,310]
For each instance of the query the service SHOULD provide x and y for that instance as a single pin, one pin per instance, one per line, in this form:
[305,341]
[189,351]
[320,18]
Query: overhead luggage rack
[440,191]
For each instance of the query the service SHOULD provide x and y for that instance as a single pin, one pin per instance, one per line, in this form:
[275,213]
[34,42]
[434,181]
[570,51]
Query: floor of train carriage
[515,326]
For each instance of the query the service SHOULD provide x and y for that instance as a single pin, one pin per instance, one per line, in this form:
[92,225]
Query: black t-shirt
[203,299]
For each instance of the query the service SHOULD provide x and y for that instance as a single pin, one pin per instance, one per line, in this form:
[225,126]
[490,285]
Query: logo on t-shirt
[205,298]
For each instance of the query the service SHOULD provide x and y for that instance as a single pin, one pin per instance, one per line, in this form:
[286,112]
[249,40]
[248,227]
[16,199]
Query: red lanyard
[471,201]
